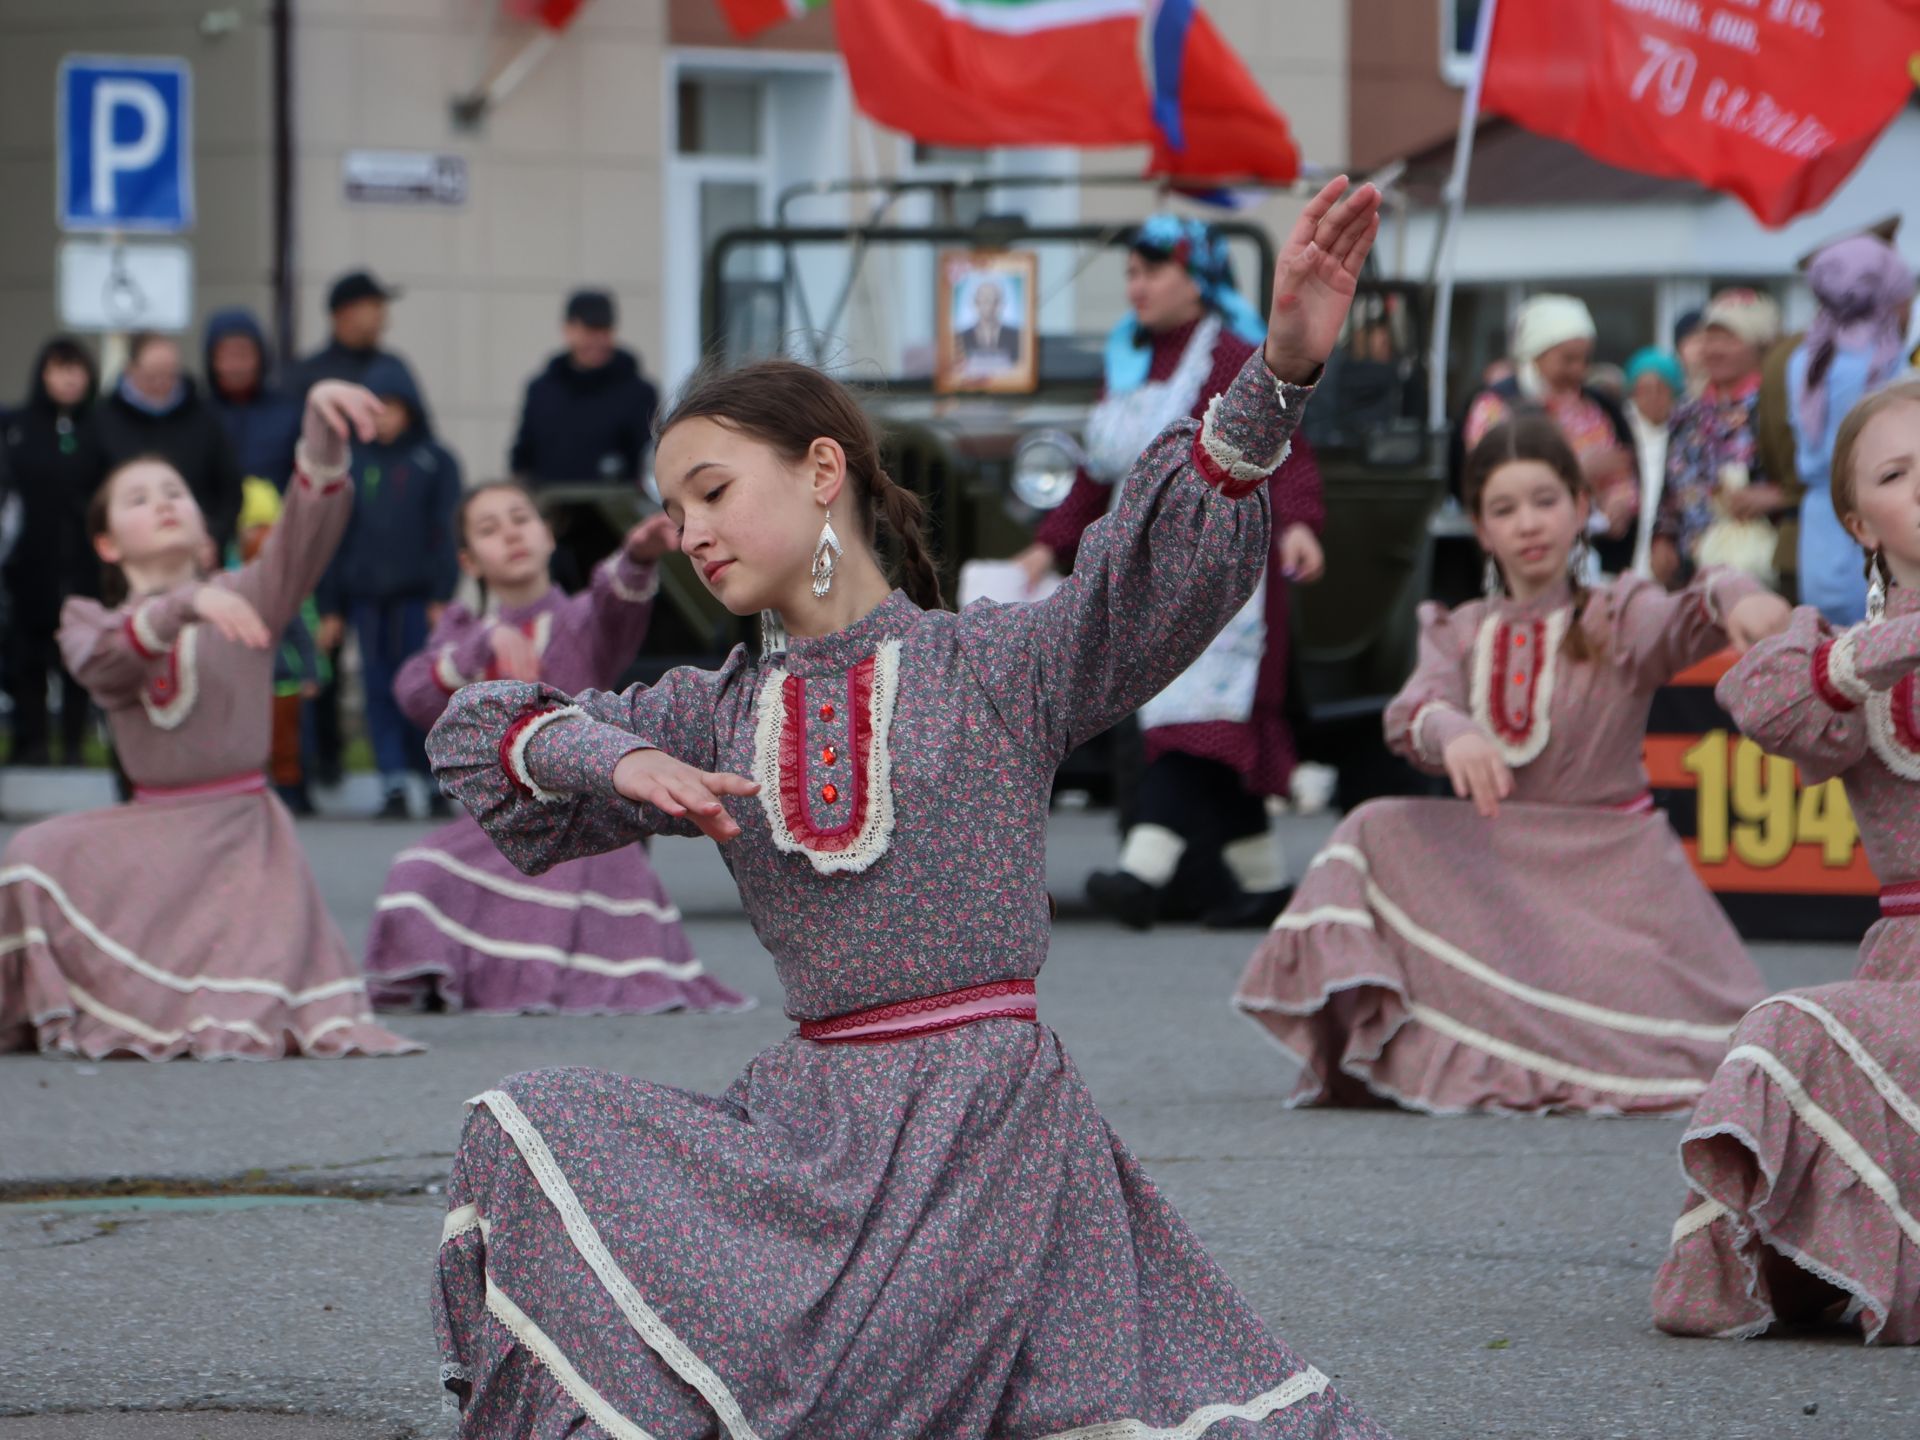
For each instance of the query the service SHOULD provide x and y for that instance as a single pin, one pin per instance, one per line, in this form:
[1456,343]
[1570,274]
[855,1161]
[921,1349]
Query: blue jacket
[265,425]
[400,544]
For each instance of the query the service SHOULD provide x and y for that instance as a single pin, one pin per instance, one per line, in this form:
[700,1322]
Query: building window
[1459,24]
[719,117]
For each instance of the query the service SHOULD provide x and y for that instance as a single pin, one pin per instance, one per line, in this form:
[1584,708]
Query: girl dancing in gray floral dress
[908,1219]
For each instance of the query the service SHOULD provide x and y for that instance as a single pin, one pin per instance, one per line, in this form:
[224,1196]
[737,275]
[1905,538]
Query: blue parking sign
[126,143]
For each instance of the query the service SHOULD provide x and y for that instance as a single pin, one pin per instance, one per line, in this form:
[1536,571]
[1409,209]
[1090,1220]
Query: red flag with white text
[1775,101]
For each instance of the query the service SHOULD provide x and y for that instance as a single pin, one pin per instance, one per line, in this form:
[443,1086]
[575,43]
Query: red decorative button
[1519,642]
[826,712]
[829,794]
[829,755]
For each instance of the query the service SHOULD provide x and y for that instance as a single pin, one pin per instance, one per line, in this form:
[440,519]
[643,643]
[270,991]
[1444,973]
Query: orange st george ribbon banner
[1775,101]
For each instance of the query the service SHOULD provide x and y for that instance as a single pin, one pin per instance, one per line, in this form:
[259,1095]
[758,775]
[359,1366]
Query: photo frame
[993,350]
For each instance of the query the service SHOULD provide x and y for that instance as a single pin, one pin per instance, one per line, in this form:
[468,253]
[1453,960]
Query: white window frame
[1456,68]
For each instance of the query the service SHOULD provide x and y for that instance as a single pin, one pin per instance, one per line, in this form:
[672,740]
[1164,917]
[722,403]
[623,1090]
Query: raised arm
[1161,575]
[1800,694]
[535,766]
[617,606]
[319,504]
[1658,633]
[1433,708]
[1155,580]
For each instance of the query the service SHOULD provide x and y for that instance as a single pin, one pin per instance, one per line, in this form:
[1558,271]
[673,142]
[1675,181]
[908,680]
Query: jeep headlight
[1043,468]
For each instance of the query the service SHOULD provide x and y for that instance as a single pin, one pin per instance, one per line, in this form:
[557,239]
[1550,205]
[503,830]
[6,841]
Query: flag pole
[1455,200]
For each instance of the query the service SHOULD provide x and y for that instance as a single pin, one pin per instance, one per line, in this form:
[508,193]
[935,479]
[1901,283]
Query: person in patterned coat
[908,1218]
[1196,834]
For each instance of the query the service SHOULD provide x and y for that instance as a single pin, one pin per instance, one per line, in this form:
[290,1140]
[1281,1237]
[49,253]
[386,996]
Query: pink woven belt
[904,1019]
[251,783]
[1901,899]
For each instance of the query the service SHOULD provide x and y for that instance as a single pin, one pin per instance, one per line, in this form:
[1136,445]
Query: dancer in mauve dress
[908,1219]
[1559,955]
[188,922]
[1802,1160]
[456,921]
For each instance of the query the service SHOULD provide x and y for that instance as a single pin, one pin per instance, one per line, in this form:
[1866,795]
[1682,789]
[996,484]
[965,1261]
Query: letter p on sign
[126,144]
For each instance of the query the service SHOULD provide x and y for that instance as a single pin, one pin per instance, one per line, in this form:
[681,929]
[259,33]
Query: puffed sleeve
[298,548]
[1433,708]
[535,766]
[113,651]
[1658,633]
[1155,581]
[457,654]
[1799,693]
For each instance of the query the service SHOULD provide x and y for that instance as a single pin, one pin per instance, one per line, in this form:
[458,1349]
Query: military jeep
[859,300]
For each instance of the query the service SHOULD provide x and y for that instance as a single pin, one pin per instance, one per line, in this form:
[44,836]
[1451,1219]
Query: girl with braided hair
[908,1218]
[1538,943]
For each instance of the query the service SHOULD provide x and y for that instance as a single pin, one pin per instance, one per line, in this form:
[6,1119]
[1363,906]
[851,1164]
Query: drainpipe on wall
[285,309]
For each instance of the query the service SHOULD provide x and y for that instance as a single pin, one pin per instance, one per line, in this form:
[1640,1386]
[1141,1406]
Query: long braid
[902,514]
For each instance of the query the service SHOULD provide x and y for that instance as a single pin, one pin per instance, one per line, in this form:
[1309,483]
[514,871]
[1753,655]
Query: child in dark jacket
[395,570]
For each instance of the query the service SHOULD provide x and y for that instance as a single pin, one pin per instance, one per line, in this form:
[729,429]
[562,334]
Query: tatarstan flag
[749,17]
[1065,72]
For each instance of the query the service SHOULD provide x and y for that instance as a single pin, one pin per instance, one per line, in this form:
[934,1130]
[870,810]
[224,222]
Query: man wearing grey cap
[589,415]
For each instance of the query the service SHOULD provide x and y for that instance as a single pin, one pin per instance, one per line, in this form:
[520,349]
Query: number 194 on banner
[1783,856]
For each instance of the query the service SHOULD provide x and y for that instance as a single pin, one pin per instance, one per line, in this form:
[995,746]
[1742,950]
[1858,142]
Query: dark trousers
[1205,803]
[391,632]
[33,655]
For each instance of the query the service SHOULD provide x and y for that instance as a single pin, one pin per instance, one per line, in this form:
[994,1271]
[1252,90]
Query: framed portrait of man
[988,309]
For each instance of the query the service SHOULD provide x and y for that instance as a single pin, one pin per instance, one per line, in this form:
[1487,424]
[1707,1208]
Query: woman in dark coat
[53,462]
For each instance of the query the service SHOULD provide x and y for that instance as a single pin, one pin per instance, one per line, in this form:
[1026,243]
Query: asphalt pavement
[208,1252]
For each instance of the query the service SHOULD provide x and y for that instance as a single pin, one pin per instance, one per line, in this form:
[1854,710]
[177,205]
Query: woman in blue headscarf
[1216,740]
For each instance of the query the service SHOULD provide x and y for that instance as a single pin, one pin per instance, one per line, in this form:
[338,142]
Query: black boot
[1123,897]
[1251,910]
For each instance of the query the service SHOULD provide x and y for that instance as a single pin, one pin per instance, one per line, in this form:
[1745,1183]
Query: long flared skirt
[595,936]
[176,927]
[935,1238]
[1802,1163]
[1553,958]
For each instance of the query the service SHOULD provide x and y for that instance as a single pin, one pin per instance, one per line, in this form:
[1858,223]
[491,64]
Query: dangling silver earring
[825,556]
[1876,588]
[1492,583]
[1578,560]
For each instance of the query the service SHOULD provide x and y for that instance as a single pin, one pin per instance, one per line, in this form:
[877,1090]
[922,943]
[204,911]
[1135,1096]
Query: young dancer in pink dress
[456,923]
[907,1219]
[1539,943]
[1803,1158]
[188,922]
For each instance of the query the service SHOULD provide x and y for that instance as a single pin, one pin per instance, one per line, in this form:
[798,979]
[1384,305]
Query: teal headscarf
[1659,362]
[1203,251]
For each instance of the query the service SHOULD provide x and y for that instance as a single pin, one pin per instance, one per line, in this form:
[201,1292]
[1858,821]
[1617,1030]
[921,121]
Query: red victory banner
[1775,101]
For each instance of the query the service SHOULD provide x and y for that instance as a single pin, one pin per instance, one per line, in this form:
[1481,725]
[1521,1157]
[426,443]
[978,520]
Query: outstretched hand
[1756,618]
[652,538]
[656,779]
[1315,277]
[337,413]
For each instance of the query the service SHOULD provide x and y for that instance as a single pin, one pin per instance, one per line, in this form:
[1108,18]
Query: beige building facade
[637,136]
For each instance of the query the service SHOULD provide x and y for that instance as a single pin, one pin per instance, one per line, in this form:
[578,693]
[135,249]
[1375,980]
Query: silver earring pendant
[1876,589]
[1578,562]
[1492,583]
[825,556]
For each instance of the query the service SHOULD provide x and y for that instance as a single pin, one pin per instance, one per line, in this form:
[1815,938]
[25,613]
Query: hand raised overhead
[1316,275]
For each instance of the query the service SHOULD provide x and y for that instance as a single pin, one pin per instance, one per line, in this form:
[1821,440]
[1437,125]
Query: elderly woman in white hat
[1553,340]
[1719,503]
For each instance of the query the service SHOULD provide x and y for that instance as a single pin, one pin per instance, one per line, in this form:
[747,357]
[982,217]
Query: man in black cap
[589,414]
[357,311]
[587,418]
